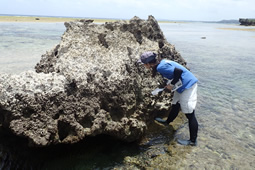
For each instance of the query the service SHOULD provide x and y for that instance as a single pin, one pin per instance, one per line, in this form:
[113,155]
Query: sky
[196,10]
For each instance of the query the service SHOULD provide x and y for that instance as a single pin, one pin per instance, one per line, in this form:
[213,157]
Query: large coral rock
[89,84]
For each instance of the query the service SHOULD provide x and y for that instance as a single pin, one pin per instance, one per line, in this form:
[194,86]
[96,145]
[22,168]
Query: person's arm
[177,76]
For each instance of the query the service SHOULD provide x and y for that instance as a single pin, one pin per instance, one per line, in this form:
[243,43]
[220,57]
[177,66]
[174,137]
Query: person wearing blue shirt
[185,96]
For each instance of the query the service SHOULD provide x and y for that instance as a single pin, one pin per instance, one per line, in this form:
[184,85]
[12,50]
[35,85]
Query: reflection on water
[223,63]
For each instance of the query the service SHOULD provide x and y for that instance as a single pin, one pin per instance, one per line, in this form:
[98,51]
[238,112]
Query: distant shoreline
[41,19]
[46,19]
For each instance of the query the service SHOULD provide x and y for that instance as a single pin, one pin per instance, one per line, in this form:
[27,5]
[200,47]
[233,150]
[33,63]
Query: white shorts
[187,99]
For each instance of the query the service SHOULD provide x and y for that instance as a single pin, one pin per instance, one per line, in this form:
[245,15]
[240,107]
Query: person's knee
[174,112]
[176,106]
[190,115]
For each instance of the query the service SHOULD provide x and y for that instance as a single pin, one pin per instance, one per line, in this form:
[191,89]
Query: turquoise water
[224,64]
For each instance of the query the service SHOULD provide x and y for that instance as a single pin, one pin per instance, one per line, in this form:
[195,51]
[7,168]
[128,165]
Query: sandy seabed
[240,29]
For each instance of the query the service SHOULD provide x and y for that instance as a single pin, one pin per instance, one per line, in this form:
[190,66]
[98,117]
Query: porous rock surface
[89,84]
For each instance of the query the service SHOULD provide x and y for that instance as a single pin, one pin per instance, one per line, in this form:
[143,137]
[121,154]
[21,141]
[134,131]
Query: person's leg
[174,110]
[193,126]
[172,115]
[188,101]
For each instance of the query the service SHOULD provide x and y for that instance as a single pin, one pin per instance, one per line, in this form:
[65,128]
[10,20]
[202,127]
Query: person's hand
[169,87]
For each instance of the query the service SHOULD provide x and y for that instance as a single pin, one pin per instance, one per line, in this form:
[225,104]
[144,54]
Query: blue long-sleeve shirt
[166,69]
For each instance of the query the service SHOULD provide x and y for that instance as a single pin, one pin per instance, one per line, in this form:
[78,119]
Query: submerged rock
[89,84]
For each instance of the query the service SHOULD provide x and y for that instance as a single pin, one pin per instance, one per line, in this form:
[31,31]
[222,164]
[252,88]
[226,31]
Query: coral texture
[89,84]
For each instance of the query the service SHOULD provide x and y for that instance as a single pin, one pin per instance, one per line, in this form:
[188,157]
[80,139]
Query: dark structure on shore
[247,22]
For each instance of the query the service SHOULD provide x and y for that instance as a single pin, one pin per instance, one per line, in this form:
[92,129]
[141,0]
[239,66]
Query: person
[184,98]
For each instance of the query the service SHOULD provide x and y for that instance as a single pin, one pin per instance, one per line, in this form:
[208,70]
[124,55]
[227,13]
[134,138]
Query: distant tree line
[247,22]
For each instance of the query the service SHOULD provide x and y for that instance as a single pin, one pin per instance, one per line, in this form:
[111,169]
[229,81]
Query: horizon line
[32,15]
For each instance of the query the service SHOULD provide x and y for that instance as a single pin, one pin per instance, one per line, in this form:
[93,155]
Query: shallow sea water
[22,44]
[223,63]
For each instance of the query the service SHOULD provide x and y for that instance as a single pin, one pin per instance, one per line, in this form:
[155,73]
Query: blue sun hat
[146,57]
